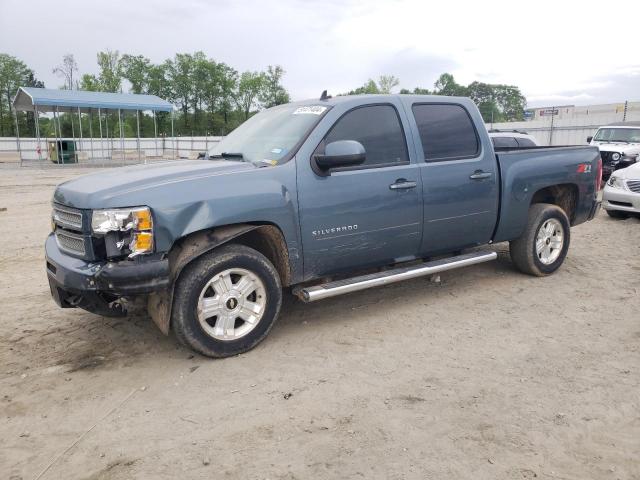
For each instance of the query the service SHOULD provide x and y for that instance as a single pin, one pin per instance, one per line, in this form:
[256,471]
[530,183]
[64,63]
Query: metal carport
[36,100]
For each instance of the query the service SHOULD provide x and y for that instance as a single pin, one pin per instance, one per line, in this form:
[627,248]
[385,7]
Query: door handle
[479,175]
[402,184]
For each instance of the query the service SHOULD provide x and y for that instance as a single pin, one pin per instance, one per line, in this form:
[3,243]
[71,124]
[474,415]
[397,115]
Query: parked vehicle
[621,195]
[512,139]
[311,195]
[619,145]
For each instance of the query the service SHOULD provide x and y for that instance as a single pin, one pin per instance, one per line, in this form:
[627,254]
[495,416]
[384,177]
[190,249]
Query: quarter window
[446,132]
[501,142]
[525,142]
[378,129]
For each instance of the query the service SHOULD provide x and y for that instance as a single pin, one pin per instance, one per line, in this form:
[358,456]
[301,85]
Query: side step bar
[340,287]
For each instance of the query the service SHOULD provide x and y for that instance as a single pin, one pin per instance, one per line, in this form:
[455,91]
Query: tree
[228,87]
[387,82]
[13,74]
[369,87]
[135,68]
[273,93]
[110,76]
[446,85]
[249,88]
[179,72]
[90,83]
[66,71]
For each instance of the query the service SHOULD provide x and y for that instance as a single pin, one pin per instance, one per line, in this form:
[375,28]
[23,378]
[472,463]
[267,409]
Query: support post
[121,137]
[58,134]
[155,133]
[36,115]
[138,125]
[173,138]
[101,139]
[80,127]
[15,116]
[73,130]
[91,132]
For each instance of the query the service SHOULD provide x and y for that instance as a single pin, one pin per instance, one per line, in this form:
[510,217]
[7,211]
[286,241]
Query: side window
[446,132]
[525,142]
[504,142]
[378,129]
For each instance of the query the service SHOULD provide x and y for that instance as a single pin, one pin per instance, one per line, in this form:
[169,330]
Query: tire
[524,250]
[209,314]
[617,214]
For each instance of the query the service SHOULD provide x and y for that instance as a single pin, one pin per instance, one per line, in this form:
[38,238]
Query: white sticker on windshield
[310,110]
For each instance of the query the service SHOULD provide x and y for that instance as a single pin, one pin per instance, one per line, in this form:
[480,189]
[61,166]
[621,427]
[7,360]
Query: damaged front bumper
[100,287]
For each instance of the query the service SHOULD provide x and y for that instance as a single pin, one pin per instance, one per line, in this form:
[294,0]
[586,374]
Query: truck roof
[624,124]
[375,98]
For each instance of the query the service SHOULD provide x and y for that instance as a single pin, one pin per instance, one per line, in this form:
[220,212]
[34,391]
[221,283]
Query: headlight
[615,182]
[615,156]
[134,227]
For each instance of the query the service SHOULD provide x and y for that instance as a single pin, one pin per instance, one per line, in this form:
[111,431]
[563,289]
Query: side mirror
[589,139]
[343,153]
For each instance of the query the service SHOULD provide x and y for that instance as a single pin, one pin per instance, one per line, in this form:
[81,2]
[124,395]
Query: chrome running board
[340,287]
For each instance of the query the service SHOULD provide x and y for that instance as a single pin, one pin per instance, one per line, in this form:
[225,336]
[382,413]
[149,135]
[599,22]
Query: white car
[621,196]
[619,145]
[511,139]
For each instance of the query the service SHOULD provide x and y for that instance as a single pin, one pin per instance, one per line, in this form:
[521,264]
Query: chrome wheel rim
[231,304]
[549,241]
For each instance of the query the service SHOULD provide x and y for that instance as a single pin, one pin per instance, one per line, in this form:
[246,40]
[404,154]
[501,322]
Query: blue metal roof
[48,100]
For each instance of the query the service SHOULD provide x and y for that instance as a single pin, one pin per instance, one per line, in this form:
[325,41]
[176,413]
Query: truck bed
[530,171]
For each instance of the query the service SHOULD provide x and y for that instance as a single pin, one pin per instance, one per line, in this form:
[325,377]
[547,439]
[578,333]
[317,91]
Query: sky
[557,52]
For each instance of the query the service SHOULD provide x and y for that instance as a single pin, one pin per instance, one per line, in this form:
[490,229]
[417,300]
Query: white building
[571,124]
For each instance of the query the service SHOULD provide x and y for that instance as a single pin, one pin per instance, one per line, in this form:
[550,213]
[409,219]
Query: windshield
[618,135]
[270,135]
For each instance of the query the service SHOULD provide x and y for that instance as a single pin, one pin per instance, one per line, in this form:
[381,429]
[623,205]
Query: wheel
[226,301]
[617,214]
[544,243]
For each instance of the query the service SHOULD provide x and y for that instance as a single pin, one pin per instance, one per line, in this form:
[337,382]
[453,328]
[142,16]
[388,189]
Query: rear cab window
[446,131]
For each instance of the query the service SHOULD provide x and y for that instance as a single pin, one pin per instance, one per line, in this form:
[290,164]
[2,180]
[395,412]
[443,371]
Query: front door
[362,216]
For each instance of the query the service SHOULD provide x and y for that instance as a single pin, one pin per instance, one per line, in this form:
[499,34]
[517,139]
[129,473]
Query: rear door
[367,215]
[459,176]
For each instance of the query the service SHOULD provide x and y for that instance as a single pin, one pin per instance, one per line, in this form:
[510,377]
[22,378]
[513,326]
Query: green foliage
[110,76]
[14,74]
[212,97]
[249,88]
[387,82]
[90,83]
[273,93]
[496,102]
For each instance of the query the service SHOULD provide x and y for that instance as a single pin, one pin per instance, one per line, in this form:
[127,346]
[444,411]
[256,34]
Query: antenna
[324,95]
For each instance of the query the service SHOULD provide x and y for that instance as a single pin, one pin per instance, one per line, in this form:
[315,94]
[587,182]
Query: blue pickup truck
[325,197]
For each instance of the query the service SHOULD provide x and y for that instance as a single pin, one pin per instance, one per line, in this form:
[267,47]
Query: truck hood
[626,148]
[631,172]
[110,188]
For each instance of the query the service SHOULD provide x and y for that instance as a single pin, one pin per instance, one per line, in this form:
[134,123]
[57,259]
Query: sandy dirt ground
[489,374]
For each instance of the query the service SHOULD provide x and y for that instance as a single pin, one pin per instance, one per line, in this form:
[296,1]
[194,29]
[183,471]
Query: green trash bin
[64,153]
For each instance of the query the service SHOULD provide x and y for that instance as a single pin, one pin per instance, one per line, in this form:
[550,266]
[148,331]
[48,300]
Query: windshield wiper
[228,155]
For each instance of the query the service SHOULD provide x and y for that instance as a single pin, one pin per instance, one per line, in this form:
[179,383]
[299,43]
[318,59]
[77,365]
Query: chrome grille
[634,185]
[67,217]
[70,242]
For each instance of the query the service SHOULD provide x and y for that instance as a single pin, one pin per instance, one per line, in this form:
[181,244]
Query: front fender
[184,251]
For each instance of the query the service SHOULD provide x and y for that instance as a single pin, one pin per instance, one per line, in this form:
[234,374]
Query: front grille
[634,185]
[606,156]
[67,217]
[70,242]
